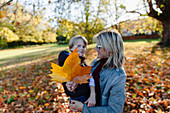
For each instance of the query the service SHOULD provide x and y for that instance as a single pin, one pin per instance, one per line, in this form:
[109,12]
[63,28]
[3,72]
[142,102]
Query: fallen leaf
[46,104]
[2,14]
[21,88]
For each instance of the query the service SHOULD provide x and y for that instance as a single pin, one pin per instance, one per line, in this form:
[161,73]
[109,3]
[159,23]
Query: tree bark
[166,33]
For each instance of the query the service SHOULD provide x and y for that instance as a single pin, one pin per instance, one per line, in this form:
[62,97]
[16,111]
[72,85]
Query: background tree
[24,26]
[141,26]
[115,11]
[85,16]
[158,9]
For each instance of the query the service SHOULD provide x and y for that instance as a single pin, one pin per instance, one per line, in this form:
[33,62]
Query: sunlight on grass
[15,57]
[22,56]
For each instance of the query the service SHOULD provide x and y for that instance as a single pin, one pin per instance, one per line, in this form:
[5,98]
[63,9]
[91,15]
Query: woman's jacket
[112,85]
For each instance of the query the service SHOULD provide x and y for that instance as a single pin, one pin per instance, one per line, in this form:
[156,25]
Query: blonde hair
[74,40]
[112,42]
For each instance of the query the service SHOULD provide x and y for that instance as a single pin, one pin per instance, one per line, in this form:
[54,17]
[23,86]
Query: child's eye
[81,46]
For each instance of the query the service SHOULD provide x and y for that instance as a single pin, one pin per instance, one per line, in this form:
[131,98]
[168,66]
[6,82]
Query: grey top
[113,95]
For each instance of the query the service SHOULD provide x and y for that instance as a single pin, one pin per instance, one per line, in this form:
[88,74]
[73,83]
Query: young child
[83,92]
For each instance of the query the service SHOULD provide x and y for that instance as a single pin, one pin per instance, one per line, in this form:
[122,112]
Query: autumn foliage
[28,88]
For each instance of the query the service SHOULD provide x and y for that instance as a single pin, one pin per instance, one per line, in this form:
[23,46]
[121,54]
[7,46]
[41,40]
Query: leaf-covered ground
[27,88]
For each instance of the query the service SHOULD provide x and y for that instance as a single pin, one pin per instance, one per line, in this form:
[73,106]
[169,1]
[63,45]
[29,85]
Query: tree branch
[134,12]
[145,6]
[98,11]
[5,4]
[152,12]
[31,15]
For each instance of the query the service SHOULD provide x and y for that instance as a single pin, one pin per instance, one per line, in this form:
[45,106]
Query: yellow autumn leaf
[22,87]
[46,104]
[2,14]
[160,111]
[71,70]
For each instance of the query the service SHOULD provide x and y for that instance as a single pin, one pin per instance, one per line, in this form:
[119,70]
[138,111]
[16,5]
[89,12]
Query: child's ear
[72,49]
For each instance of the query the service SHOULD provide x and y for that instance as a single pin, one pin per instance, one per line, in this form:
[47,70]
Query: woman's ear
[110,53]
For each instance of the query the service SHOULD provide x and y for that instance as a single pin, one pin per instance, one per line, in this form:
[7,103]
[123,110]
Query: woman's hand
[91,101]
[71,86]
[76,106]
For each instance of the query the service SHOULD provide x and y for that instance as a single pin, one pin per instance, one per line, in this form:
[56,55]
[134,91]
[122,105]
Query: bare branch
[97,14]
[31,15]
[5,4]
[134,12]
[16,10]
[145,6]
[152,12]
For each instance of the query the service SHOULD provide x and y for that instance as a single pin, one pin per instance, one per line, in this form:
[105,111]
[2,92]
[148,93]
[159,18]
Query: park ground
[26,87]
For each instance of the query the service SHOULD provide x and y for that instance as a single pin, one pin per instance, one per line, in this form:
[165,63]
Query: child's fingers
[72,102]
[74,86]
[69,86]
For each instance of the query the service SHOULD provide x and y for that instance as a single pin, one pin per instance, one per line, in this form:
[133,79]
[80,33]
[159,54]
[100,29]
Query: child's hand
[76,106]
[91,101]
[71,85]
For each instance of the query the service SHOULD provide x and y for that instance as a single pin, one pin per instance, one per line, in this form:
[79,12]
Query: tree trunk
[166,33]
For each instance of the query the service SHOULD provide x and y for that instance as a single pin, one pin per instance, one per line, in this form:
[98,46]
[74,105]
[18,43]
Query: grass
[37,50]
[134,45]
[143,40]
[20,56]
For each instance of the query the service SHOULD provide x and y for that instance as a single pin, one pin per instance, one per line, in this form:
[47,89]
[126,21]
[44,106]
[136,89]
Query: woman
[109,76]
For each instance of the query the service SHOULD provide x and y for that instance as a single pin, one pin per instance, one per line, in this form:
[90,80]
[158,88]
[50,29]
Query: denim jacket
[113,95]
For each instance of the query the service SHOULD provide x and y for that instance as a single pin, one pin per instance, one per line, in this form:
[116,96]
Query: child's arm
[92,99]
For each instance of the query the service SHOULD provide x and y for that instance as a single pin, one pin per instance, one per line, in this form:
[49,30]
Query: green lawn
[20,56]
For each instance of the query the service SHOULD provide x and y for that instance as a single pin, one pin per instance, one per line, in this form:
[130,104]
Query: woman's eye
[79,45]
[84,46]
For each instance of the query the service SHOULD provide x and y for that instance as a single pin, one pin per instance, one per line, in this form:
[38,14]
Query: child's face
[81,47]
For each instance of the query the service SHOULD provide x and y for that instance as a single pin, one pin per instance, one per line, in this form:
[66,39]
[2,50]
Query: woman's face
[81,47]
[101,52]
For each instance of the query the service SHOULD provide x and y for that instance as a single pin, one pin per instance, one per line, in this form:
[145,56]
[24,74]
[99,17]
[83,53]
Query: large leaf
[71,70]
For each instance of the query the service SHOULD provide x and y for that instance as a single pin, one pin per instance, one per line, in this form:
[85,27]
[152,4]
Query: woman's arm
[116,99]
[92,99]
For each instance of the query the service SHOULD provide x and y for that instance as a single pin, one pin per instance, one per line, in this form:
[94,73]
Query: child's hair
[112,42]
[73,40]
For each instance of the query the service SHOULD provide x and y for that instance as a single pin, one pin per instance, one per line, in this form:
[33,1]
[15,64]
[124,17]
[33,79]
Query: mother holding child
[108,74]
